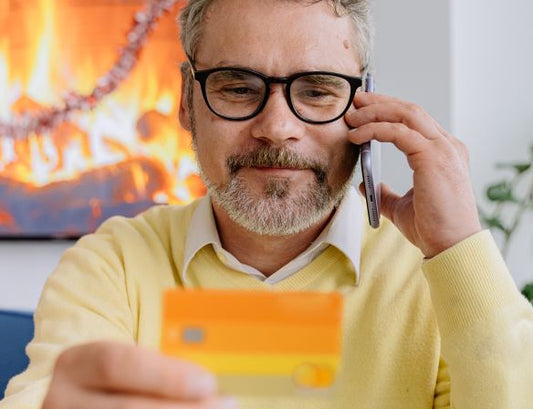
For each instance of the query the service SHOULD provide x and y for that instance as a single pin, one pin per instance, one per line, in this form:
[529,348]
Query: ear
[184,114]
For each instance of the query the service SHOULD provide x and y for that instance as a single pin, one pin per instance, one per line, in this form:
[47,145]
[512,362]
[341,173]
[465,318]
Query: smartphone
[370,162]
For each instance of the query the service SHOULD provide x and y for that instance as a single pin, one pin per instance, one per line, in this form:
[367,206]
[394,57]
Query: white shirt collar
[344,231]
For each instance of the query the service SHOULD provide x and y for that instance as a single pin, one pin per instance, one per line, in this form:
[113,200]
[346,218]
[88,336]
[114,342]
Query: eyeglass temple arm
[192,67]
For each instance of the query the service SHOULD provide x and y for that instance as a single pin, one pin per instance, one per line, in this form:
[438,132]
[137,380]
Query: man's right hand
[105,375]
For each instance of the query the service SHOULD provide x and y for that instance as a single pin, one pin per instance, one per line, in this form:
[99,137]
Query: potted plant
[511,198]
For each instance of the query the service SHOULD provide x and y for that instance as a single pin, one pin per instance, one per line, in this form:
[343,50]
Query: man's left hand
[440,209]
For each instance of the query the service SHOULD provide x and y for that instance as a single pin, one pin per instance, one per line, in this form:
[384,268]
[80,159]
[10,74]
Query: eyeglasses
[238,94]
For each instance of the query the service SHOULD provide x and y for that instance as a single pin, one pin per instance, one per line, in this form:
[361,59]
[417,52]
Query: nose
[276,123]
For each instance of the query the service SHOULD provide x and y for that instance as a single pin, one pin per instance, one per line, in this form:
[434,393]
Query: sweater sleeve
[486,326]
[85,299]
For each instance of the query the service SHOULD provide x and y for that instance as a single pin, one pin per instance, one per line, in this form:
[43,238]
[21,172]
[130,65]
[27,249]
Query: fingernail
[228,402]
[204,384]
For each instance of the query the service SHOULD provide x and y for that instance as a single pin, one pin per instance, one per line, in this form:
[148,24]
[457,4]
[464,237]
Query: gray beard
[278,211]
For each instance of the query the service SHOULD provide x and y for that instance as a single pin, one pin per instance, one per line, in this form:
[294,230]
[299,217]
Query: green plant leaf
[522,167]
[494,223]
[500,192]
[517,167]
[527,291]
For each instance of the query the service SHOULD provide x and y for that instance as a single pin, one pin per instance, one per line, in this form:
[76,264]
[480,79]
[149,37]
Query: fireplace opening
[89,98]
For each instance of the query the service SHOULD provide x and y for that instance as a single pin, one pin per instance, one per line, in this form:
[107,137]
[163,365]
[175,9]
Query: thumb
[388,202]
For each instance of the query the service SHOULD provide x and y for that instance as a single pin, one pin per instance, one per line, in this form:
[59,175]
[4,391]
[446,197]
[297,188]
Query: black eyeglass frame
[201,77]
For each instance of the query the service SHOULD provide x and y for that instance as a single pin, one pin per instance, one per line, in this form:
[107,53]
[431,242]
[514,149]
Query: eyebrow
[230,74]
[322,79]
[228,63]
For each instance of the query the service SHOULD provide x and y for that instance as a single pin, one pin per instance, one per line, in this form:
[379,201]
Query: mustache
[273,157]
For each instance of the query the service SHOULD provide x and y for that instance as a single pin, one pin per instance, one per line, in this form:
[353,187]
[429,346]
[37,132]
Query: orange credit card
[257,342]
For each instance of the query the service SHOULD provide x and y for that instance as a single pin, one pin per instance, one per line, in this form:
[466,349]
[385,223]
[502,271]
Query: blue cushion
[16,330]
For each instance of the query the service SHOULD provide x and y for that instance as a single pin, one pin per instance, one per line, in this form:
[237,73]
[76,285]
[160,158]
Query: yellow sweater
[403,317]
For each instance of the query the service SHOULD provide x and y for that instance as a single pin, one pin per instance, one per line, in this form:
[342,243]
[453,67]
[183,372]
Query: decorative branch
[43,122]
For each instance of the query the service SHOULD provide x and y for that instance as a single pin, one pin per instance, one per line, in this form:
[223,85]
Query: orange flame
[138,120]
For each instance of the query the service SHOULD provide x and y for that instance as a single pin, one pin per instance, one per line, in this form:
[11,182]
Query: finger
[124,368]
[363,99]
[362,188]
[368,99]
[404,138]
[443,131]
[132,402]
[82,399]
[389,201]
[411,115]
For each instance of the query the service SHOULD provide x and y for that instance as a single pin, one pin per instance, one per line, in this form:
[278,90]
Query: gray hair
[192,17]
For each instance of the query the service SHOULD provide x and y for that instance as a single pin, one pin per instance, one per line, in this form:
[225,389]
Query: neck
[265,253]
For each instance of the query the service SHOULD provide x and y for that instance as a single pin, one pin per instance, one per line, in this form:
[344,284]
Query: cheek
[344,160]
[216,140]
[335,142]
[341,152]
[209,152]
[211,155]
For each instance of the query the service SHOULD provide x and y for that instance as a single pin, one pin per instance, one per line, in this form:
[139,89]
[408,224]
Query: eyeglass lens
[315,97]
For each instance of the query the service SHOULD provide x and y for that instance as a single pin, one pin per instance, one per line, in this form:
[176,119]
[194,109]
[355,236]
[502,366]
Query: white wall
[469,63]
[492,105]
[24,266]
[412,62]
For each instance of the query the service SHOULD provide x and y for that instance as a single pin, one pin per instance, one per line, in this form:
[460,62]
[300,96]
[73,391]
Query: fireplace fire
[82,136]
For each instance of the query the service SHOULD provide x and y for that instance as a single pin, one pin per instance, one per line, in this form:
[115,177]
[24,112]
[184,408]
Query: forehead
[277,37]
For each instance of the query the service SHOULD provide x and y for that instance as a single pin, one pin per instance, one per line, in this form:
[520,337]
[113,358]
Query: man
[436,323]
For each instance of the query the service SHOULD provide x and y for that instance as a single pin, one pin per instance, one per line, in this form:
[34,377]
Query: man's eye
[238,93]
[244,91]
[315,93]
